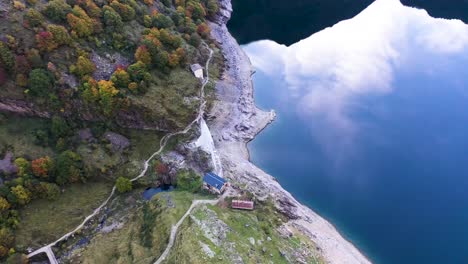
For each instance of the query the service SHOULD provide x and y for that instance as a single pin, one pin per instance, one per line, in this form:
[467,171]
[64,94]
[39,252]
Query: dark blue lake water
[372,130]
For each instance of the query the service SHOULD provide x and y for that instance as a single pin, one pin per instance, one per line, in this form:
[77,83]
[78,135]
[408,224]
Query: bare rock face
[119,143]
[7,167]
[106,65]
[22,108]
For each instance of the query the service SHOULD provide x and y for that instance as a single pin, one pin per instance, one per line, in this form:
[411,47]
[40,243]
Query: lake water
[372,130]
[150,192]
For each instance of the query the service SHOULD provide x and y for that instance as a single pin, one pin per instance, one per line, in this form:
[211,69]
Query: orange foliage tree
[42,167]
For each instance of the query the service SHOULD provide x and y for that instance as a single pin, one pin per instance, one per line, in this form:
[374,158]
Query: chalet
[244,205]
[214,183]
[197,70]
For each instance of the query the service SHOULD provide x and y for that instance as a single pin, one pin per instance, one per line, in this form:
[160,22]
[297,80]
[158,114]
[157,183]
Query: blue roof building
[214,182]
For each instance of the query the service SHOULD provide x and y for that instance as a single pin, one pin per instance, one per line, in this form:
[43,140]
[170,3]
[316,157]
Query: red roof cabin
[243,205]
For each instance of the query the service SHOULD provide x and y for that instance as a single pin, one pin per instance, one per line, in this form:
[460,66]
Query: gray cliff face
[234,120]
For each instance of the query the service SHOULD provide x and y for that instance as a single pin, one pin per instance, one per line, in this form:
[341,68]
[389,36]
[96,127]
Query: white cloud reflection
[329,70]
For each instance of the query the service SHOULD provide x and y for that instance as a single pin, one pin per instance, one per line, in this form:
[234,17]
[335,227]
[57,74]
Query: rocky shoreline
[234,121]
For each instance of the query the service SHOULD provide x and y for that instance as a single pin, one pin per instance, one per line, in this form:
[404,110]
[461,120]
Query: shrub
[49,191]
[137,71]
[6,241]
[188,180]
[40,82]
[123,185]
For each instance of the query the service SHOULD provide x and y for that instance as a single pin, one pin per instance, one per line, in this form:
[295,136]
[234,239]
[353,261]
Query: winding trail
[176,227]
[163,142]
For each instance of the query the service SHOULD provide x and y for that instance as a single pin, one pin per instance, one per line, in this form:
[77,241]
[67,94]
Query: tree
[40,82]
[69,167]
[6,241]
[33,18]
[162,21]
[60,34]
[42,167]
[59,127]
[112,20]
[82,25]
[45,41]
[212,7]
[83,67]
[188,180]
[137,71]
[57,10]
[24,167]
[120,78]
[107,93]
[23,196]
[142,54]
[195,40]
[204,30]
[17,258]
[123,185]
[125,11]
[7,58]
[4,204]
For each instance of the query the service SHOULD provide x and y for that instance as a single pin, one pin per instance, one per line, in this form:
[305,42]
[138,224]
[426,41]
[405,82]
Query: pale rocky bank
[234,121]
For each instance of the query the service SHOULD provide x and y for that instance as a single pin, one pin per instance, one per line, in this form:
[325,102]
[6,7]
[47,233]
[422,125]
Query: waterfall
[205,141]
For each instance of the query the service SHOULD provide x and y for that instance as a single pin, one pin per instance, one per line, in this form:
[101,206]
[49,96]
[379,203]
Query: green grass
[43,221]
[260,224]
[166,98]
[144,236]
[17,135]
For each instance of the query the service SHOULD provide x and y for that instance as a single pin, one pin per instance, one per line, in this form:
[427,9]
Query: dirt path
[163,142]
[176,227]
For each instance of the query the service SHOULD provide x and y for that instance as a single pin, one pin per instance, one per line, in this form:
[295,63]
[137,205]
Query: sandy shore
[234,121]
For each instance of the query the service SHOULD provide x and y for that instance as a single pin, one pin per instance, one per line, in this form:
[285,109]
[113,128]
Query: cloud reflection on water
[328,72]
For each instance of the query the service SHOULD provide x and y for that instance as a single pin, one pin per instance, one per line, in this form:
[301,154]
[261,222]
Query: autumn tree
[33,18]
[4,204]
[138,71]
[120,78]
[204,30]
[92,9]
[40,82]
[60,34]
[23,196]
[42,167]
[24,167]
[212,7]
[83,67]
[125,11]
[45,41]
[142,54]
[123,185]
[107,96]
[82,25]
